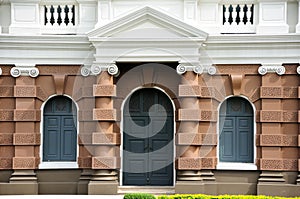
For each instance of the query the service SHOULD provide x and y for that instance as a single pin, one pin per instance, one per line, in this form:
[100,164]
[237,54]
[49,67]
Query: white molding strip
[96,69]
[58,165]
[271,68]
[0,71]
[28,70]
[198,69]
[298,70]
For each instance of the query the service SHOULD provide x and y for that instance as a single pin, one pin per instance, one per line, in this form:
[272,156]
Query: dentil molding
[198,69]
[96,69]
[31,71]
[271,68]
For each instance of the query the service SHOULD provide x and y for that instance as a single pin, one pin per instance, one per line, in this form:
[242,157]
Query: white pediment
[147,23]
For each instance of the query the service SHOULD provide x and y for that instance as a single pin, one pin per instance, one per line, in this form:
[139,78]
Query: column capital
[25,70]
[197,68]
[96,69]
[271,68]
[298,70]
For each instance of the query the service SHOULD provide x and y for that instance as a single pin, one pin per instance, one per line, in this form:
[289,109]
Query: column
[105,141]
[298,25]
[26,138]
[25,18]
[86,103]
[279,128]
[272,17]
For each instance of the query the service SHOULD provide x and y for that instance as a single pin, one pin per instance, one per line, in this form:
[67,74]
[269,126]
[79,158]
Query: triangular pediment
[147,22]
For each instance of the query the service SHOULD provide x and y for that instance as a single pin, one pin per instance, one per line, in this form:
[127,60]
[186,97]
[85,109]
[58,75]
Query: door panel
[148,142]
[60,131]
[236,131]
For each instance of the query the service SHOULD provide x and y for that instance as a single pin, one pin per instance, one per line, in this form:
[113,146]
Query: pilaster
[26,138]
[105,141]
[104,12]
[298,25]
[191,11]
[279,128]
[272,17]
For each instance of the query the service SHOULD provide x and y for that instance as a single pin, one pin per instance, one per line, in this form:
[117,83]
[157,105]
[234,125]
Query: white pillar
[190,11]
[210,15]
[104,12]
[298,25]
[88,15]
[272,17]
[25,17]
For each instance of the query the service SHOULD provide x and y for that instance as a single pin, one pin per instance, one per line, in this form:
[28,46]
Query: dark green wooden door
[236,131]
[60,133]
[148,139]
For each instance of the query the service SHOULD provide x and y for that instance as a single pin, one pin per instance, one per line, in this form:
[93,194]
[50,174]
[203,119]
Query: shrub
[139,196]
[202,196]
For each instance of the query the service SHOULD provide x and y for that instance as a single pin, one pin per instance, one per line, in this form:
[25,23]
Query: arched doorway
[60,130]
[148,130]
[236,126]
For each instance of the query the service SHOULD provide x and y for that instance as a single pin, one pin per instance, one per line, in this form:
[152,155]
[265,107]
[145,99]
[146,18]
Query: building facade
[164,96]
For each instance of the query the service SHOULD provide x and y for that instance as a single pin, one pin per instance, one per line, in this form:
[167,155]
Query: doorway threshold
[156,190]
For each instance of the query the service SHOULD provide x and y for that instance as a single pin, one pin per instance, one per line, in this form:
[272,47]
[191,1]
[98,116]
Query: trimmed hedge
[202,196]
[139,196]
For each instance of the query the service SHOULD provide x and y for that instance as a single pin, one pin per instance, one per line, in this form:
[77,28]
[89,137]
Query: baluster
[234,15]
[249,14]
[63,16]
[55,15]
[48,15]
[243,14]
[70,15]
[226,14]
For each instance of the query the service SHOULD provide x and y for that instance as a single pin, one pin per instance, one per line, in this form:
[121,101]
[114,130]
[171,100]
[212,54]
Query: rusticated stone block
[208,163]
[255,95]
[6,91]
[189,114]
[105,163]
[270,92]
[5,163]
[85,162]
[278,140]
[27,115]
[26,139]
[105,114]
[290,92]
[24,162]
[279,164]
[196,139]
[208,92]
[279,92]
[25,91]
[6,115]
[208,115]
[6,139]
[189,91]
[270,116]
[106,138]
[104,90]
[189,163]
[289,116]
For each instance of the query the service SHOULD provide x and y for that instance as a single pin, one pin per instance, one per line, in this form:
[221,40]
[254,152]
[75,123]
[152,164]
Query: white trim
[121,130]
[237,165]
[57,165]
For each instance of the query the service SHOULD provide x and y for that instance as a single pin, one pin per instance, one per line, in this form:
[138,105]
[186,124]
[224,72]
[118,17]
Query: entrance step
[156,190]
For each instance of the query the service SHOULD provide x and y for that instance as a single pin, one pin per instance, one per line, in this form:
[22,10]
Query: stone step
[156,190]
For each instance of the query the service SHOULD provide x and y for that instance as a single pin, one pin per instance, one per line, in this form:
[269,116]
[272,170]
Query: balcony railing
[238,18]
[59,19]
